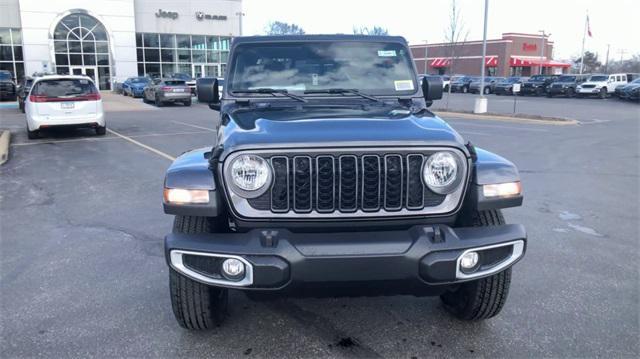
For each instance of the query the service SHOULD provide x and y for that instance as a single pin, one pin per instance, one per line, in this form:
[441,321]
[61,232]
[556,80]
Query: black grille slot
[347,183]
[280,189]
[302,183]
[325,177]
[371,183]
[393,182]
[348,192]
[415,188]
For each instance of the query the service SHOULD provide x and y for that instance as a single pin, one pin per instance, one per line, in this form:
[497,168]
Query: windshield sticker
[403,85]
[387,53]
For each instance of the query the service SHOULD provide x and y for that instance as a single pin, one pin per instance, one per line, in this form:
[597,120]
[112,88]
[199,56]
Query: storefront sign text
[167,14]
[202,16]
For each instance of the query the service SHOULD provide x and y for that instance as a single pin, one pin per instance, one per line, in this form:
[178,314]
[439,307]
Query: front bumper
[588,91]
[281,260]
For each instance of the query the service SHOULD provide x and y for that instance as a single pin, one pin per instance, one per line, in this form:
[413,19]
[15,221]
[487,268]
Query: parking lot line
[91,139]
[156,151]
[195,126]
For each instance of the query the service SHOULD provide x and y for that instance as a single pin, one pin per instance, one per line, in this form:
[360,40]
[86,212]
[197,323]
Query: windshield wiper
[265,90]
[343,91]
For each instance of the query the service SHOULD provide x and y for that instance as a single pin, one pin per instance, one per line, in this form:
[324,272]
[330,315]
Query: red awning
[492,61]
[440,62]
[517,61]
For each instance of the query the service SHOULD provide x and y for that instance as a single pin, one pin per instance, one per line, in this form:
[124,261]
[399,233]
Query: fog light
[233,269]
[469,260]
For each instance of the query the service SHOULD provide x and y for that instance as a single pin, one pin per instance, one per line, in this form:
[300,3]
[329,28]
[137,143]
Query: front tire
[487,90]
[482,298]
[196,306]
[603,93]
[465,89]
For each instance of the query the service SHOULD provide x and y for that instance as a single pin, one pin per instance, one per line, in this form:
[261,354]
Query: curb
[5,138]
[502,117]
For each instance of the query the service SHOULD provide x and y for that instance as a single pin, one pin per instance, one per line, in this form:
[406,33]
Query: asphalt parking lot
[83,272]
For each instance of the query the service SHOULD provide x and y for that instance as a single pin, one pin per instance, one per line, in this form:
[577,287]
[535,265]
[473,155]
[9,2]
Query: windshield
[370,67]
[566,79]
[537,78]
[140,80]
[598,78]
[510,80]
[63,88]
[181,76]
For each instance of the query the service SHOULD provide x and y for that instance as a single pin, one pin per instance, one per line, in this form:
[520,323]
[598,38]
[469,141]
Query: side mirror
[431,89]
[208,92]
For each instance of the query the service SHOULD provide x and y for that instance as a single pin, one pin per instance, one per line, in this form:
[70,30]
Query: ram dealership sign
[202,16]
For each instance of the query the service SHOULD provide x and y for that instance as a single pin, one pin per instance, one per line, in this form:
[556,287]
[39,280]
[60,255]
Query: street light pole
[240,16]
[481,101]
[542,51]
[426,69]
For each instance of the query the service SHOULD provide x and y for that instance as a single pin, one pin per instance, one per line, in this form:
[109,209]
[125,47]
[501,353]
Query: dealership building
[110,40]
[515,54]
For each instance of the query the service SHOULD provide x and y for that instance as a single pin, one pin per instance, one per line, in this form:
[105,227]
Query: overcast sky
[613,22]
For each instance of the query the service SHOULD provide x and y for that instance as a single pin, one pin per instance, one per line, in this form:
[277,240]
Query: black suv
[23,91]
[461,84]
[566,85]
[7,86]
[331,177]
[537,85]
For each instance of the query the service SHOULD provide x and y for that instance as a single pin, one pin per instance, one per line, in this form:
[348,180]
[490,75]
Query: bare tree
[455,35]
[376,30]
[283,28]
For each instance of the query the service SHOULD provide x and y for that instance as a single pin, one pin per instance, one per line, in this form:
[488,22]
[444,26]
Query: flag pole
[584,35]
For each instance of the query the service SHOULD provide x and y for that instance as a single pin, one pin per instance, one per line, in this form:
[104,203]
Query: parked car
[162,91]
[630,91]
[489,84]
[23,91]
[134,86]
[312,191]
[566,85]
[446,82]
[537,85]
[64,101]
[505,87]
[7,86]
[190,81]
[601,85]
[462,84]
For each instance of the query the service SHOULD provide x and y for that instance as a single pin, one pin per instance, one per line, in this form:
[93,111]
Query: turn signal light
[186,196]
[502,189]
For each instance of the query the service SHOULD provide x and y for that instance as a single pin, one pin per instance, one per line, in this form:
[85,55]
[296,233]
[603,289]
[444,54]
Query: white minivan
[63,101]
[601,85]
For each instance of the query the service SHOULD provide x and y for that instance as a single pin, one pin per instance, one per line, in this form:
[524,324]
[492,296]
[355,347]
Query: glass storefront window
[151,40]
[197,42]
[103,59]
[5,37]
[184,41]
[152,55]
[5,54]
[102,47]
[167,41]
[174,53]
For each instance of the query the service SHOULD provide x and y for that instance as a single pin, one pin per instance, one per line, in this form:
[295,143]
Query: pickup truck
[329,176]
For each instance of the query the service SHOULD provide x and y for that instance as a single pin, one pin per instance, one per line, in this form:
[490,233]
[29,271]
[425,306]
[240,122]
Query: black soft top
[311,38]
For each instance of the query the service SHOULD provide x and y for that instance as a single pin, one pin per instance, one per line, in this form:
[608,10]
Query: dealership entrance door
[205,70]
[89,71]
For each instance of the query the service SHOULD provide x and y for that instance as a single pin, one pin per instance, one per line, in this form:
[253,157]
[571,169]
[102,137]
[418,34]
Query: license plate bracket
[67,105]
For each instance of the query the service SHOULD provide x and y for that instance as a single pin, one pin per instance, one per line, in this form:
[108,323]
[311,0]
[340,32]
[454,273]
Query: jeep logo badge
[167,14]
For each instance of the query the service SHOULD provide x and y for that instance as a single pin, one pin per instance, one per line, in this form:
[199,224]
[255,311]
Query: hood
[412,130]
[593,83]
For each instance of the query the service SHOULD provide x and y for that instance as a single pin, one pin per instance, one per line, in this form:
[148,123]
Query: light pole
[544,36]
[240,15]
[481,101]
[426,69]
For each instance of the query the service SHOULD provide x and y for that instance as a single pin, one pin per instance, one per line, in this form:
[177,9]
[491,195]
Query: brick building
[514,54]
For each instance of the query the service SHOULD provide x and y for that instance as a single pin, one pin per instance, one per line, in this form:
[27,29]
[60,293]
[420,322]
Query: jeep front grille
[350,184]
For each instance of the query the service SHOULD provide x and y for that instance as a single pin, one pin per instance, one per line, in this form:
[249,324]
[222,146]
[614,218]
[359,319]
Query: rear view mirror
[431,89]
[208,92]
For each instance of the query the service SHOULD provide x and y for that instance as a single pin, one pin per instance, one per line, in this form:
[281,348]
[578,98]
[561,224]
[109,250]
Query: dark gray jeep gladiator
[330,177]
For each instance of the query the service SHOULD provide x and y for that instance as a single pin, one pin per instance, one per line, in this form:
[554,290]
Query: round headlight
[250,175]
[440,172]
